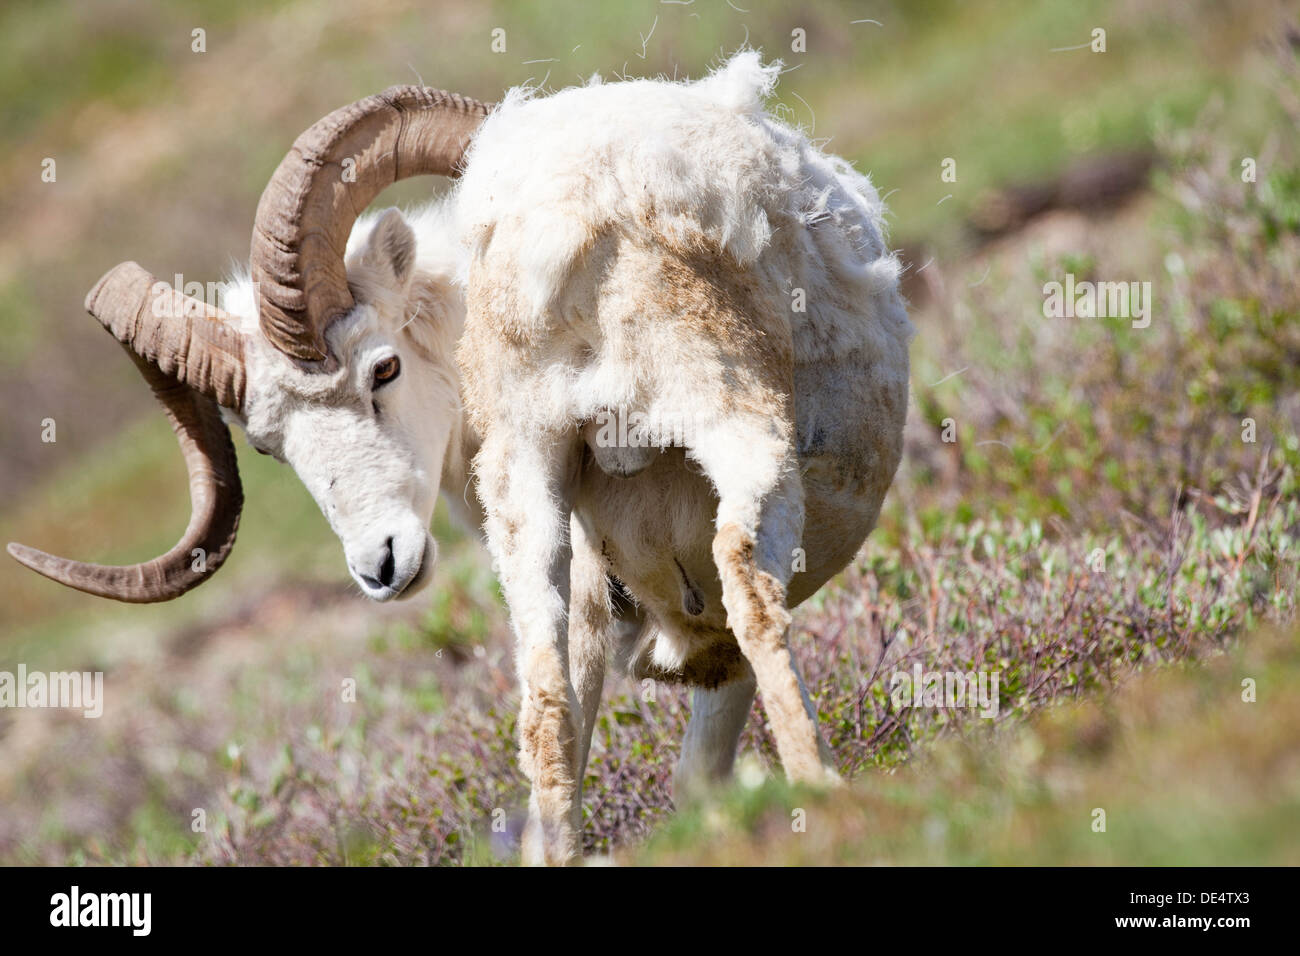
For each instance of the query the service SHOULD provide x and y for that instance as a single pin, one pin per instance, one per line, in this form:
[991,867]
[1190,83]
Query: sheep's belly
[655,530]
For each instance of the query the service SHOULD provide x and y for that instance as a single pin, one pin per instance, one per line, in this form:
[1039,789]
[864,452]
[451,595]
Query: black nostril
[389,567]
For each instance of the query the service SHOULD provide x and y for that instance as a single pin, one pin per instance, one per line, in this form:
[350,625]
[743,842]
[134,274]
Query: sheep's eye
[387,370]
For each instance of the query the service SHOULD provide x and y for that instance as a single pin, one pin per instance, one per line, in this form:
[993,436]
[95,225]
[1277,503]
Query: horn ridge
[195,343]
[193,360]
[334,171]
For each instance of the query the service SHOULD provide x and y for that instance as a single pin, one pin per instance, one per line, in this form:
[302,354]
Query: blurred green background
[1099,434]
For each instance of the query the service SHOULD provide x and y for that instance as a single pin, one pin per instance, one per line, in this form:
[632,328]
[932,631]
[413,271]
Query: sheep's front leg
[590,621]
[526,482]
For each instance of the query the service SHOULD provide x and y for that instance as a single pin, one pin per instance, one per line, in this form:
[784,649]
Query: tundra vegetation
[1074,437]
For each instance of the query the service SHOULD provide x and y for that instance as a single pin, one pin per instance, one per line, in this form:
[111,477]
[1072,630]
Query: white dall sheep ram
[664,254]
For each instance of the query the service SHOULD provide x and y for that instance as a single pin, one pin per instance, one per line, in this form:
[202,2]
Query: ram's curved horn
[192,357]
[332,173]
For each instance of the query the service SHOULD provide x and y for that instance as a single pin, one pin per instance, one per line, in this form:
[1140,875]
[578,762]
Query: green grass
[16,327]
[1186,772]
[57,55]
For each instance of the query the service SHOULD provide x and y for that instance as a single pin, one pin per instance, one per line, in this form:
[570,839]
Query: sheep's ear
[392,245]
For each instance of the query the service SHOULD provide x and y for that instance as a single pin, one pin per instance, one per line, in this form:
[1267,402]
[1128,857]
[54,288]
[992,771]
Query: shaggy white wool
[696,162]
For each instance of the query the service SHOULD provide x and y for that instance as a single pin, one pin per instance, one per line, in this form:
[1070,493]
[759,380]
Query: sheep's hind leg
[755,470]
[526,482]
[718,716]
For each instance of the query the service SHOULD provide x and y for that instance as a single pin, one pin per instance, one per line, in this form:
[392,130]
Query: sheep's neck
[458,483]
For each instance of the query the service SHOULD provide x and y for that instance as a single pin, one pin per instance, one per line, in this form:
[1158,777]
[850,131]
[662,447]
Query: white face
[368,440]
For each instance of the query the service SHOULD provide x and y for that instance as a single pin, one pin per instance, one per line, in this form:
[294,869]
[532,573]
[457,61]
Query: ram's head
[317,378]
